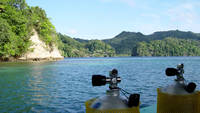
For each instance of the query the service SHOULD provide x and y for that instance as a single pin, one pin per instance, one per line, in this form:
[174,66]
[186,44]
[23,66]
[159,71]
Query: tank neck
[113,92]
[181,82]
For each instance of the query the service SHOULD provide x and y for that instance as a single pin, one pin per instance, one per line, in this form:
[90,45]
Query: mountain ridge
[126,42]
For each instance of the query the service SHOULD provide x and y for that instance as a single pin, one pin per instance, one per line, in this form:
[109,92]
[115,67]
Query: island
[27,34]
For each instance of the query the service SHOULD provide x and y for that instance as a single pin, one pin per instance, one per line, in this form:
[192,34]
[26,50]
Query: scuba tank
[179,97]
[112,102]
[180,86]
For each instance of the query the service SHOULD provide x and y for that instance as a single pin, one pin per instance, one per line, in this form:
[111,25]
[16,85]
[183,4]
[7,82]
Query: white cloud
[184,13]
[185,16]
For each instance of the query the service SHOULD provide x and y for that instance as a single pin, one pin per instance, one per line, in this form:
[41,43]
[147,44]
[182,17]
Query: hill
[126,43]
[27,31]
[17,23]
[84,48]
[169,47]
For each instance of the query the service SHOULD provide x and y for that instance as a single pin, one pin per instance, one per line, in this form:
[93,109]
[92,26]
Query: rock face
[40,51]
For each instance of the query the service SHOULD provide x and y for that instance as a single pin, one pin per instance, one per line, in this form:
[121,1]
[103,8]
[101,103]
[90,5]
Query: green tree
[169,47]
[17,23]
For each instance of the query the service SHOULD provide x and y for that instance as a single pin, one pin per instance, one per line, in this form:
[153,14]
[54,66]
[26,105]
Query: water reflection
[65,85]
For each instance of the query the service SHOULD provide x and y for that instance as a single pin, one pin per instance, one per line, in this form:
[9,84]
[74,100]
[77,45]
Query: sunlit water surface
[64,86]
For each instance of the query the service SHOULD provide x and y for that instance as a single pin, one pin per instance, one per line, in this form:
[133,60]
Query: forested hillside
[84,48]
[17,21]
[169,47]
[126,43]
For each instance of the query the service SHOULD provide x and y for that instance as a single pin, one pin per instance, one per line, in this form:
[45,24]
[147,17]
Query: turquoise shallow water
[64,86]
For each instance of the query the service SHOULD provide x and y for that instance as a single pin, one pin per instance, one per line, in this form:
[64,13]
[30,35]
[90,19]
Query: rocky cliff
[40,51]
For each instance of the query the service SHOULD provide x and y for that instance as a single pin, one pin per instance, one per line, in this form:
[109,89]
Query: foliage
[92,48]
[6,39]
[99,48]
[42,24]
[17,20]
[126,42]
[14,32]
[169,47]
[71,47]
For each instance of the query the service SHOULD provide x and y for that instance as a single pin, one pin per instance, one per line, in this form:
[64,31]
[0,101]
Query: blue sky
[103,19]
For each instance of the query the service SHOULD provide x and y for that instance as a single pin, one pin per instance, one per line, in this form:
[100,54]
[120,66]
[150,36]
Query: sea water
[65,85]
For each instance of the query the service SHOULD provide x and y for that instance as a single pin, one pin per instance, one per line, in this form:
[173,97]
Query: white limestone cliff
[41,51]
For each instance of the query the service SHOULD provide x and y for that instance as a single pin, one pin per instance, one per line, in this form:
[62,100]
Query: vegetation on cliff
[17,20]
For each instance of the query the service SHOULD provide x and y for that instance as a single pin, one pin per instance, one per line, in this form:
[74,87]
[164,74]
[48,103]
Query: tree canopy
[169,47]
[17,20]
[90,48]
[126,43]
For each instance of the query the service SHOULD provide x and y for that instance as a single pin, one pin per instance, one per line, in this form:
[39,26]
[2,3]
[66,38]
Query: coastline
[32,60]
[58,59]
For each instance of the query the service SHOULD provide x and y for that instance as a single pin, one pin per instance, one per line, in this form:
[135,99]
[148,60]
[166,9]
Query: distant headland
[26,34]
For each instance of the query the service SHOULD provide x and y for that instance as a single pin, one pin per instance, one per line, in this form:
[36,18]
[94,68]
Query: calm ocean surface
[64,86]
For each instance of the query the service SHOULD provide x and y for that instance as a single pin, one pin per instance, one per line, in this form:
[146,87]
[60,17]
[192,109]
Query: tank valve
[113,80]
[178,72]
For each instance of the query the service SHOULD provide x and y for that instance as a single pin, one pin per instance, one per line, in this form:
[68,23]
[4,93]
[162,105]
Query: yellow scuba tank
[178,97]
[112,102]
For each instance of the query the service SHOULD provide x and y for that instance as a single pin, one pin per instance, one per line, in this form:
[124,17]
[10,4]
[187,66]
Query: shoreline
[58,59]
[32,60]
